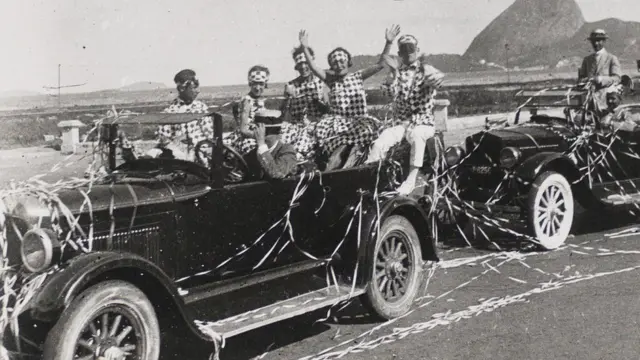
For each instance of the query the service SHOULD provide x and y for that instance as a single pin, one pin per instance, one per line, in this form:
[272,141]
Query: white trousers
[416,135]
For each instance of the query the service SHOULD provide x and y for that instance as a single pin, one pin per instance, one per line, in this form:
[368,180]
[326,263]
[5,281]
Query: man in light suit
[601,68]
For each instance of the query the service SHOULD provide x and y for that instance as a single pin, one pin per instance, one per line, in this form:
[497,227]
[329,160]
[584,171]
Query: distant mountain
[143,85]
[526,27]
[540,34]
[624,42]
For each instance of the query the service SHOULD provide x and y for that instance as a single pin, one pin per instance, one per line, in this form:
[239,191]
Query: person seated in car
[177,141]
[617,118]
[413,87]
[181,139]
[272,158]
[348,121]
[243,138]
[304,104]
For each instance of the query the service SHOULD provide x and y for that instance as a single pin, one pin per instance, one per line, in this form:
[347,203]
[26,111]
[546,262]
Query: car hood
[101,197]
[528,138]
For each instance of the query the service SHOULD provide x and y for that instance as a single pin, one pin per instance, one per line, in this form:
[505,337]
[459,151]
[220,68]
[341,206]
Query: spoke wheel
[551,210]
[396,269]
[111,320]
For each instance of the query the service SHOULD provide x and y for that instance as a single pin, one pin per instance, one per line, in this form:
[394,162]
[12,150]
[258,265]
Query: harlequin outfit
[348,122]
[194,131]
[304,110]
[413,99]
[236,139]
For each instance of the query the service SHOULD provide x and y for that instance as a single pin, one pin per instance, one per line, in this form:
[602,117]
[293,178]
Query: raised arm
[390,36]
[304,42]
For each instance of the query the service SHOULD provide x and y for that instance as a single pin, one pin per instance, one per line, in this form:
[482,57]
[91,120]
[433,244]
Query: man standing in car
[601,68]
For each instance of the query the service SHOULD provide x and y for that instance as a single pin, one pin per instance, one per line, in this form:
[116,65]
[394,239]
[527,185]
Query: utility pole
[60,86]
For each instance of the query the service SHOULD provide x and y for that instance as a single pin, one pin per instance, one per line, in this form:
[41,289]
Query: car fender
[62,287]
[408,207]
[536,164]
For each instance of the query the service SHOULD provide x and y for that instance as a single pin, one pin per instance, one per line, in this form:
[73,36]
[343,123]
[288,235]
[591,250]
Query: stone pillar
[440,114]
[70,135]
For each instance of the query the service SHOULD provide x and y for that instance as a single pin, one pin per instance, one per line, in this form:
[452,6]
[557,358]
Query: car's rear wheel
[551,210]
[111,320]
[396,271]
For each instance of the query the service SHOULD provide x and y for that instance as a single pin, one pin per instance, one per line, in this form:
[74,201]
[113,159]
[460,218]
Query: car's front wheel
[111,320]
[396,271]
[551,209]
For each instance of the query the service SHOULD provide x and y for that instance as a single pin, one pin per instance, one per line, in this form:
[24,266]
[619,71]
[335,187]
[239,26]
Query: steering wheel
[233,164]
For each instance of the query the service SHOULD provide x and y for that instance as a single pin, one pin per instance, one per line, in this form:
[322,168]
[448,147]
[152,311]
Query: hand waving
[392,33]
[304,38]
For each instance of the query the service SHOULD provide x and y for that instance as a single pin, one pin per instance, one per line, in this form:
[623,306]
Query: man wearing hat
[601,68]
[273,158]
[413,87]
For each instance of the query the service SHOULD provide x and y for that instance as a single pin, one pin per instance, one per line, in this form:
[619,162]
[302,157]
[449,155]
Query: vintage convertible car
[526,178]
[168,245]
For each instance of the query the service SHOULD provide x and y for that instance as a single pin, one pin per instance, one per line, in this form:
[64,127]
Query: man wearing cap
[169,136]
[272,158]
[601,68]
[413,88]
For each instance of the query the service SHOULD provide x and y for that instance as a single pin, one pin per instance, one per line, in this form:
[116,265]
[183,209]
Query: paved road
[578,302]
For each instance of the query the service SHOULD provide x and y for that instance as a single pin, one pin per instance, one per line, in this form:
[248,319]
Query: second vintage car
[533,174]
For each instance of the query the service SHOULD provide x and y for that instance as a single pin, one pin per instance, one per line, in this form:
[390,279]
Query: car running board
[279,311]
[619,199]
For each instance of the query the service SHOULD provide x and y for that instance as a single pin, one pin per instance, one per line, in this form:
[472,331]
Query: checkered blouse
[304,104]
[256,104]
[196,130]
[413,96]
[347,96]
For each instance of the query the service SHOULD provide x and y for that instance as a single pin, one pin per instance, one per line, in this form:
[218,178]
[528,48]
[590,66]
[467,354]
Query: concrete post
[70,135]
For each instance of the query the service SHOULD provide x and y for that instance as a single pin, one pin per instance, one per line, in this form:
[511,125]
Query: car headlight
[453,155]
[39,246]
[509,157]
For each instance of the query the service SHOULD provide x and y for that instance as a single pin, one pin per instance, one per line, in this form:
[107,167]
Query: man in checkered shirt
[413,87]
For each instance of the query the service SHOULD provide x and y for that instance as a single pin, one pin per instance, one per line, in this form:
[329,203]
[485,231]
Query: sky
[113,43]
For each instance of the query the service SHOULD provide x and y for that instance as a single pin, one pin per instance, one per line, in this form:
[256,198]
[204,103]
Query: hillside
[526,26]
[624,42]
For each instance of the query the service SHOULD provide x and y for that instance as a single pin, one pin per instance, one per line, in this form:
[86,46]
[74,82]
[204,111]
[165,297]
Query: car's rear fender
[535,165]
[87,270]
[411,209]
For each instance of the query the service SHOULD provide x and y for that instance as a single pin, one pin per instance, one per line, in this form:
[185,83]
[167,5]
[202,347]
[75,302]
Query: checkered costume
[236,139]
[413,102]
[412,95]
[195,131]
[303,107]
[348,123]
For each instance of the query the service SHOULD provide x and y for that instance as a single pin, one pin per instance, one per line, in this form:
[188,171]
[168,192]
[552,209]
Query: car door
[614,162]
[232,230]
[325,211]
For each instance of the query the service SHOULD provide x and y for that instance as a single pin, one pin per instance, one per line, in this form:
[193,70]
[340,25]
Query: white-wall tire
[551,210]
